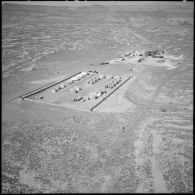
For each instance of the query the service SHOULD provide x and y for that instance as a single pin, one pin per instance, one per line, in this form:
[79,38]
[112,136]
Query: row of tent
[78,77]
[96,79]
[72,80]
[38,97]
[62,86]
[113,83]
[99,93]
[100,77]
[92,95]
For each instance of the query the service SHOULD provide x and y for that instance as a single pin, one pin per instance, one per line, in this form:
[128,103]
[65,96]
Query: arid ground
[139,140]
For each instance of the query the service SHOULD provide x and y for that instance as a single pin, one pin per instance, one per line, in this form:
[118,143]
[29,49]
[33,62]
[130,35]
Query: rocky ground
[56,150]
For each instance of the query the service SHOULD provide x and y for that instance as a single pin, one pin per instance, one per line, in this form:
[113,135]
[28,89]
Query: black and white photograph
[97,97]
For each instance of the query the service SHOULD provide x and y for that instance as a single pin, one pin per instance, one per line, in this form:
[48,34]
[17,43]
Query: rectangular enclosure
[83,90]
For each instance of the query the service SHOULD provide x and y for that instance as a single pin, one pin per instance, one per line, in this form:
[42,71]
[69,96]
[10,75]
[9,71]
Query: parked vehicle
[103,63]
[38,97]
[76,99]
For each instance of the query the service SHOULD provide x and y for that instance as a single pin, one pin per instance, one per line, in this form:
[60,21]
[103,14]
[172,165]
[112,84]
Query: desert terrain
[139,140]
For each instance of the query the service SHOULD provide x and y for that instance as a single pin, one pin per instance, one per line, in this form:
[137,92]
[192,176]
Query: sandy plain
[145,146]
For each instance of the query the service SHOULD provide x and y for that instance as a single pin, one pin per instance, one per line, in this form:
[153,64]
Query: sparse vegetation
[145,145]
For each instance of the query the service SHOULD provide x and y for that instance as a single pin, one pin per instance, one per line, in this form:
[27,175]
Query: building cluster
[153,53]
[123,57]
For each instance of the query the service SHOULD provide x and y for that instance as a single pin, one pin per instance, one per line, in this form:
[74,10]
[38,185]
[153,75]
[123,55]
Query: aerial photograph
[97,97]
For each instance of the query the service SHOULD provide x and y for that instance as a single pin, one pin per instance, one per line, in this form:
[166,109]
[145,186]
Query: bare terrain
[140,139]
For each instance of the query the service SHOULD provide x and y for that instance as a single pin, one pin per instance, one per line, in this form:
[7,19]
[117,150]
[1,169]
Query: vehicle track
[148,107]
[138,119]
